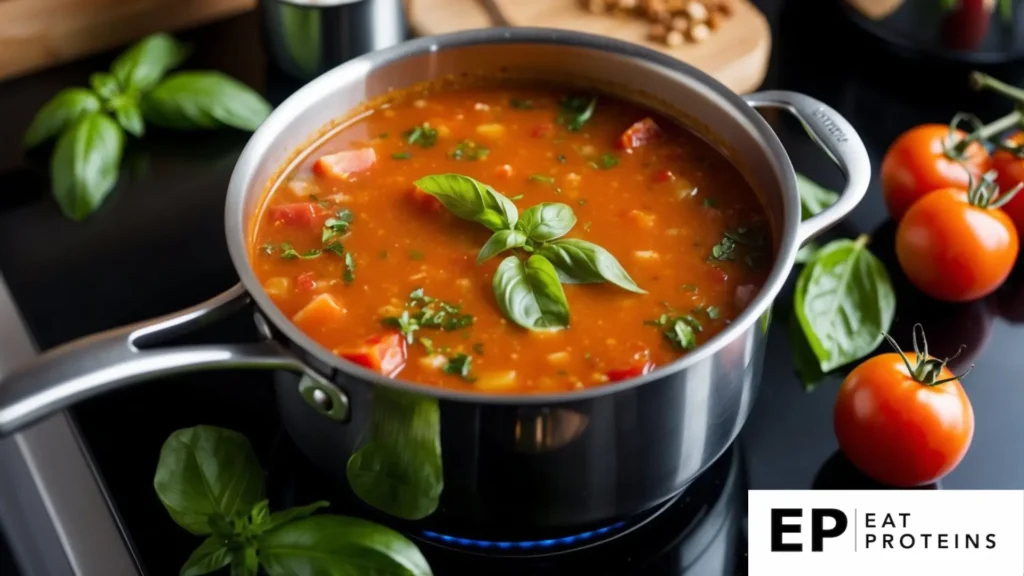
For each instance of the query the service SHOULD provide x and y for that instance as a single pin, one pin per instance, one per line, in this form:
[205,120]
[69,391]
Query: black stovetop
[157,246]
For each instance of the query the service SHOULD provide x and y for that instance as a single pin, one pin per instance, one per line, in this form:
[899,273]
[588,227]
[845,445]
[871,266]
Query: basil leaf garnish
[471,200]
[129,117]
[213,554]
[84,166]
[285,516]
[579,261]
[546,221]
[338,545]
[205,475]
[501,240]
[204,100]
[844,301]
[104,84]
[813,198]
[530,294]
[60,112]
[143,65]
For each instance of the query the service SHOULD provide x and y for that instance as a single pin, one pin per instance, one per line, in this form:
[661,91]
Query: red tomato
[903,425]
[425,201]
[385,354]
[662,176]
[302,214]
[916,164]
[631,372]
[341,164]
[639,134]
[954,250]
[965,27]
[542,130]
[306,281]
[1011,173]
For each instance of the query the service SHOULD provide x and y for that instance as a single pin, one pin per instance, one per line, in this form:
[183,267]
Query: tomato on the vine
[1011,173]
[925,158]
[901,424]
[958,246]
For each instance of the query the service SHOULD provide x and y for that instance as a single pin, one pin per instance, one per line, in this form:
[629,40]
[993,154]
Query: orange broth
[343,241]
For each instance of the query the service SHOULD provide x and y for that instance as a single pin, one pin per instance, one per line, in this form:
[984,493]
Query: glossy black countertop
[157,245]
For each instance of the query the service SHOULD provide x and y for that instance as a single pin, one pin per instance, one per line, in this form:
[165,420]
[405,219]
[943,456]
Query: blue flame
[523,544]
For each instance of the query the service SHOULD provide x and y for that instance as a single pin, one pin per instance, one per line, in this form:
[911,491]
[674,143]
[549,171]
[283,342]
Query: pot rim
[280,118]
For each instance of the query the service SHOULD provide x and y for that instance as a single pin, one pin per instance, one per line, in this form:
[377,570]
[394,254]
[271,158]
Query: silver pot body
[454,462]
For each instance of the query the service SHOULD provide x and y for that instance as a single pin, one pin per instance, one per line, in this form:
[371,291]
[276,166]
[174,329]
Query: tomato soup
[511,239]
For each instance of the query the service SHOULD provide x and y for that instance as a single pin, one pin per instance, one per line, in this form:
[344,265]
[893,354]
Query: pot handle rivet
[324,397]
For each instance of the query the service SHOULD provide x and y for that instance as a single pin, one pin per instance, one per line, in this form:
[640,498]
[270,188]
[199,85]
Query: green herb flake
[723,251]
[335,248]
[337,225]
[350,269]
[521,104]
[424,135]
[416,255]
[608,161]
[401,156]
[461,365]
[321,202]
[576,111]
[289,253]
[712,312]
[542,178]
[428,345]
[268,248]
[422,311]
[470,151]
[478,347]
[561,159]
[516,198]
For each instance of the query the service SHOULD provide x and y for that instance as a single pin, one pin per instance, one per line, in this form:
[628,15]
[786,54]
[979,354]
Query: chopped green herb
[422,311]
[516,198]
[321,203]
[561,159]
[542,178]
[289,253]
[423,135]
[337,225]
[723,251]
[709,203]
[586,226]
[469,150]
[689,288]
[335,248]
[350,269]
[268,248]
[521,104]
[428,345]
[416,255]
[478,347]
[712,312]
[575,111]
[460,365]
[747,236]
[401,156]
[608,161]
[680,330]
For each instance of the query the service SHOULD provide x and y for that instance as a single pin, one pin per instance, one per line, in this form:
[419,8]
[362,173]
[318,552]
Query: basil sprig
[90,122]
[211,484]
[528,284]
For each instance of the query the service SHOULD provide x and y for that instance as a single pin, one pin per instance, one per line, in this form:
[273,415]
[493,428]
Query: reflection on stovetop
[702,532]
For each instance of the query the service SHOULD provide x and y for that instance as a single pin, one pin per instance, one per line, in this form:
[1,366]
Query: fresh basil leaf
[806,253]
[844,300]
[143,65]
[60,112]
[813,198]
[546,221]
[579,261]
[285,516]
[339,545]
[807,367]
[501,240]
[213,554]
[245,562]
[129,117]
[260,513]
[471,200]
[206,472]
[530,294]
[399,471]
[207,99]
[85,164]
[104,84]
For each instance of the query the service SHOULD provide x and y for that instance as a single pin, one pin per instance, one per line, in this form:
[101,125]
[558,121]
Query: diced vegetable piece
[619,374]
[341,164]
[647,255]
[542,130]
[278,286]
[385,353]
[321,313]
[301,188]
[641,218]
[504,171]
[558,358]
[425,201]
[639,134]
[495,381]
[306,281]
[433,362]
[662,176]
[745,294]
[492,131]
[298,214]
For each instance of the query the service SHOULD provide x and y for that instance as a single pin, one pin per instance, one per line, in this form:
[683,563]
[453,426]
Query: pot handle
[837,137]
[102,362]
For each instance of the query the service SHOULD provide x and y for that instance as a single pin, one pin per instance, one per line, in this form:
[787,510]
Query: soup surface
[627,240]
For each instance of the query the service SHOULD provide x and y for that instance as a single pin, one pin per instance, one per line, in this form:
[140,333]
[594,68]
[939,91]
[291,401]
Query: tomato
[954,246]
[1011,173]
[341,164]
[901,424]
[300,214]
[639,134]
[916,164]
[965,27]
[385,353]
[618,374]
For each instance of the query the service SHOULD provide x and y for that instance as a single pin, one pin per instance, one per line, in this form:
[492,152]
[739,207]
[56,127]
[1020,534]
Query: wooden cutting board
[736,54]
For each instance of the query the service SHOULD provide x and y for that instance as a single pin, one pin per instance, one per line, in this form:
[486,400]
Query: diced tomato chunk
[503,171]
[384,353]
[321,313]
[640,133]
[425,201]
[306,281]
[745,294]
[542,130]
[341,164]
[719,275]
[641,218]
[299,214]
[632,372]
[662,176]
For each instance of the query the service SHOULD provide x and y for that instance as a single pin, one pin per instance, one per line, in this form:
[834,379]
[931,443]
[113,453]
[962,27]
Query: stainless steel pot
[452,459]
